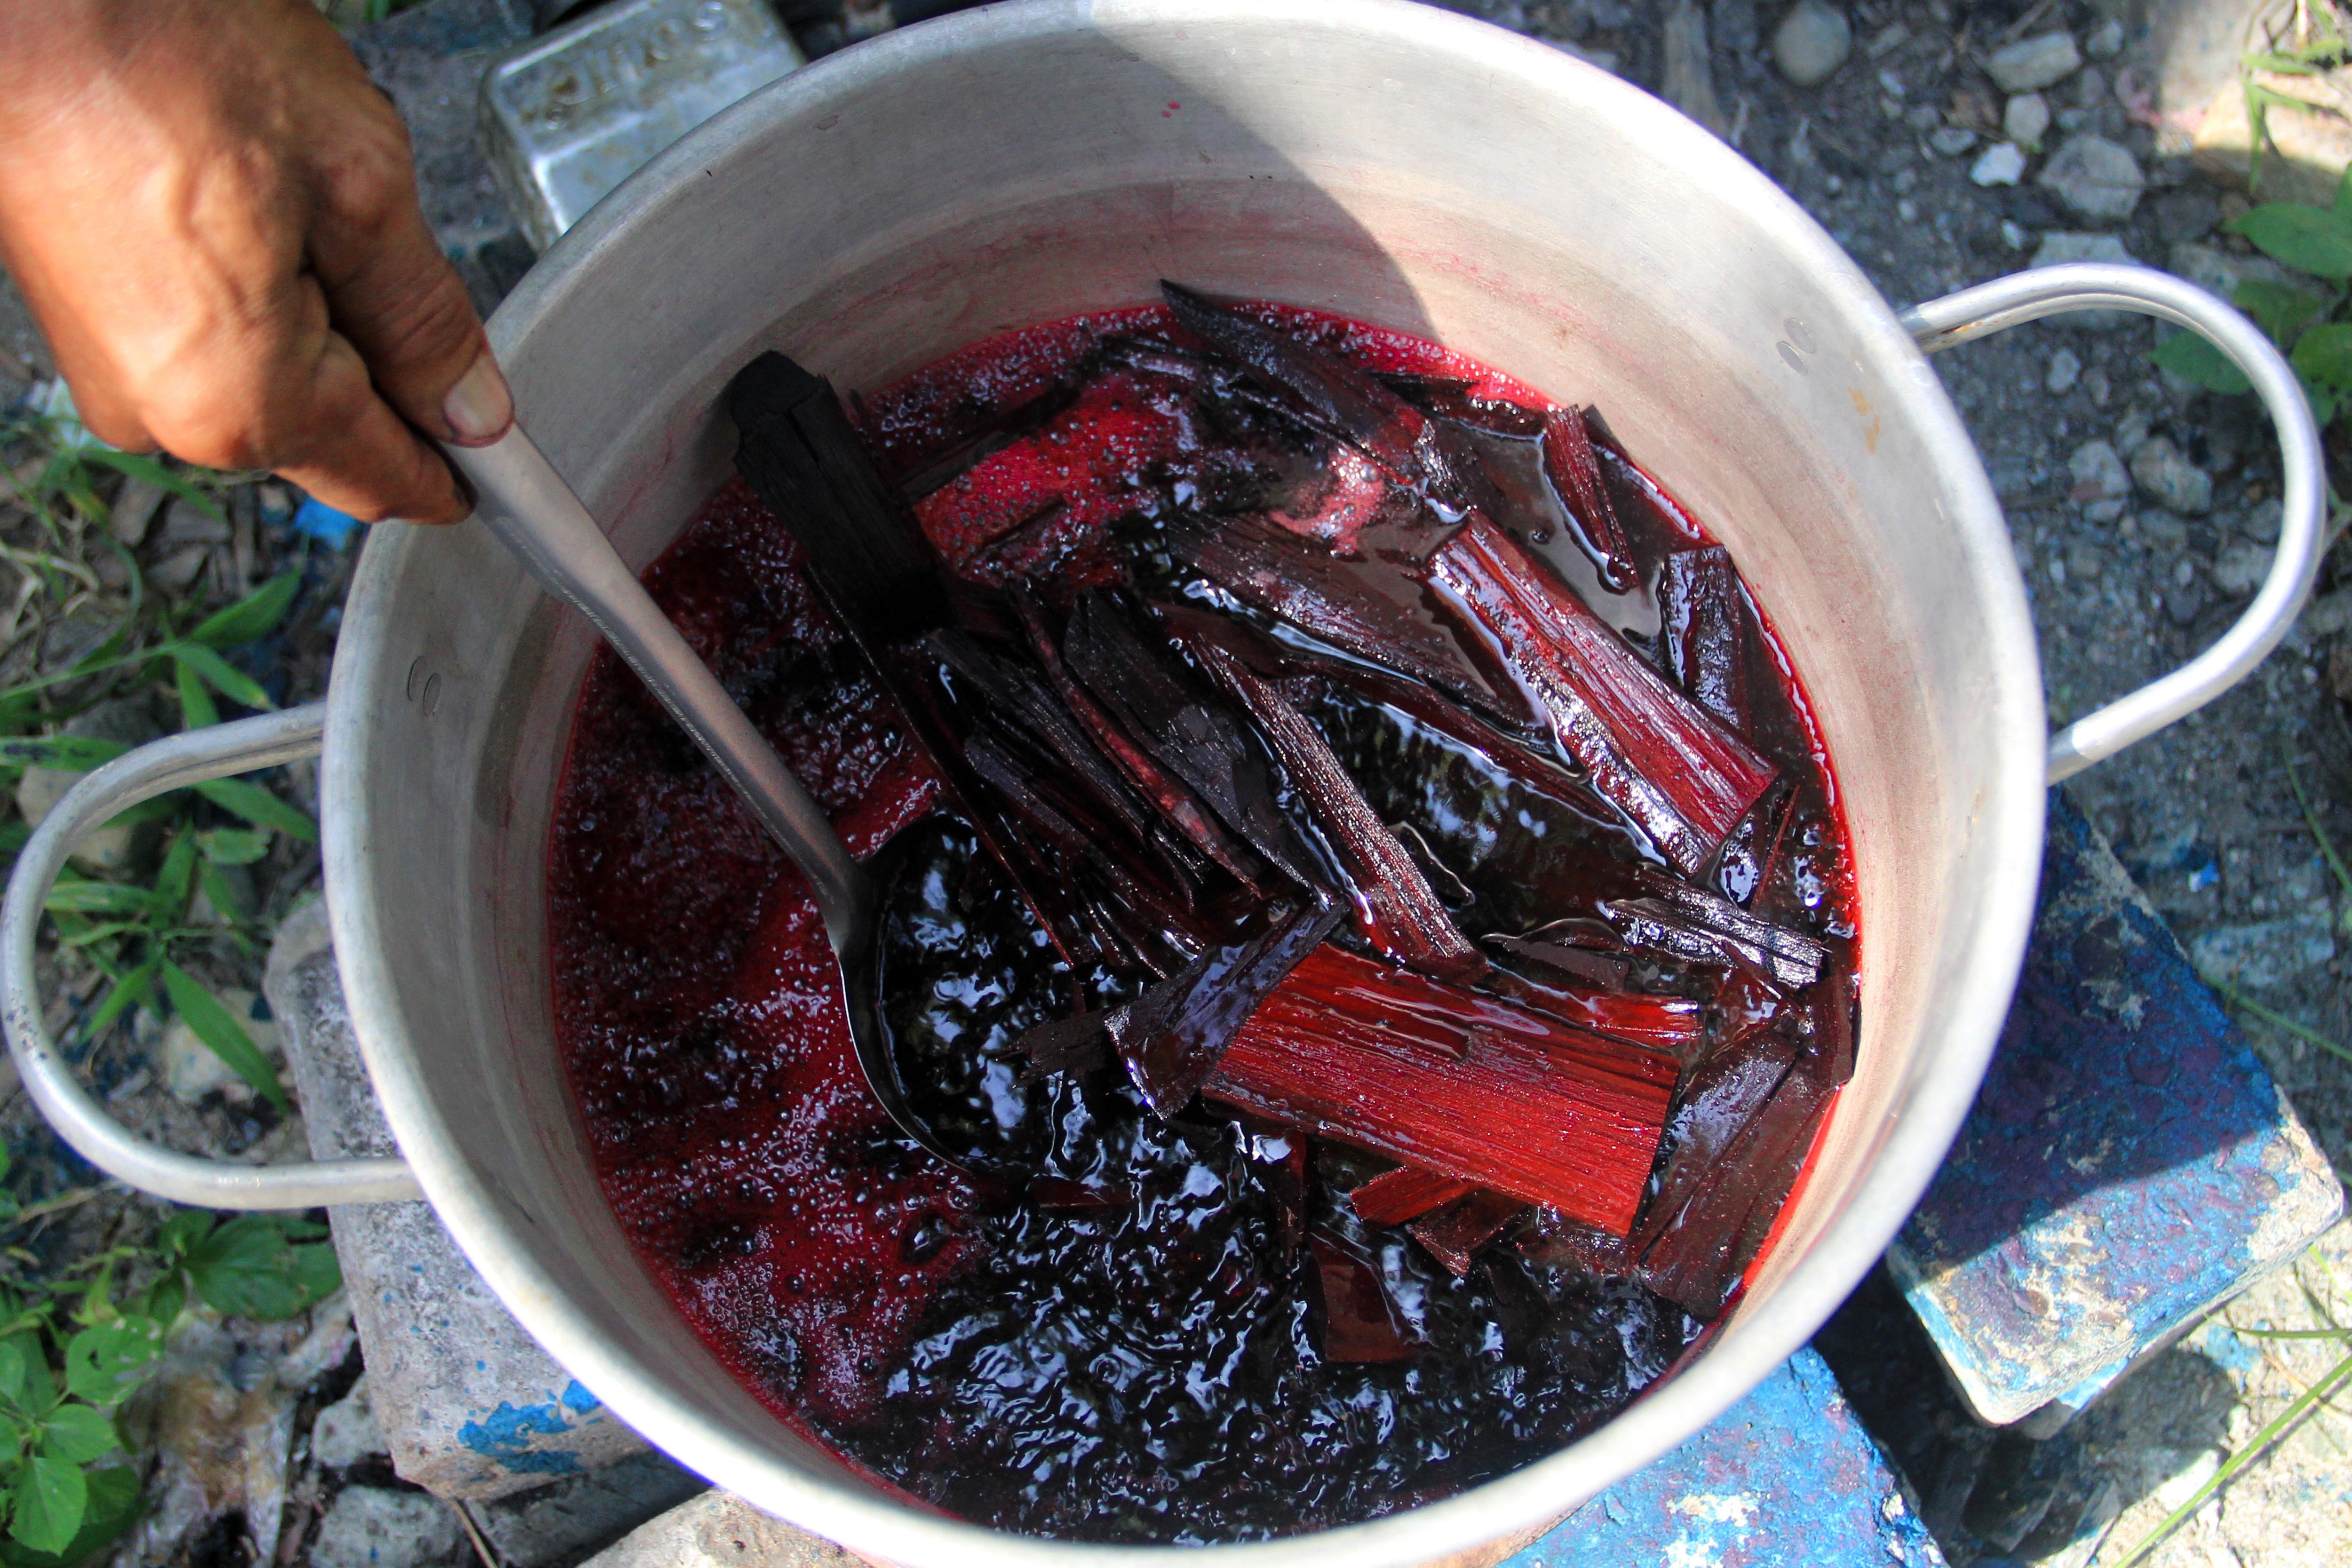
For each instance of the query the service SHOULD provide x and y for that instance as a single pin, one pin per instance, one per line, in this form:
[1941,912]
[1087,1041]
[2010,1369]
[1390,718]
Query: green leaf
[177,877]
[2323,355]
[2187,355]
[197,708]
[115,1499]
[106,1363]
[254,616]
[99,899]
[224,1037]
[316,1271]
[12,1371]
[2322,400]
[77,1434]
[2281,309]
[241,797]
[226,901]
[166,1296]
[2309,239]
[126,993]
[67,753]
[131,465]
[233,845]
[247,1269]
[219,674]
[184,1232]
[50,1497]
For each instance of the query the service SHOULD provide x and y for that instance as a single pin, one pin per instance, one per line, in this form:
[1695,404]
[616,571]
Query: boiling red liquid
[1140,1369]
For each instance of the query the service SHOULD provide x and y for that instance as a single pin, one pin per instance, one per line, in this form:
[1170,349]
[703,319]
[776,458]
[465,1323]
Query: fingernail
[480,407]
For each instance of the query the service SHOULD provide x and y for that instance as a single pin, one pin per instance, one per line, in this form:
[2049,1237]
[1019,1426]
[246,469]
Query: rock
[182,567]
[111,846]
[2026,120]
[2000,164]
[2163,530]
[345,1432]
[2220,271]
[2339,672]
[2184,603]
[2061,245]
[2065,370]
[1604,60]
[2083,561]
[2309,147]
[2095,380]
[2188,214]
[372,1526]
[1951,141]
[1732,23]
[1687,80]
[718,1530]
[552,1526]
[2031,64]
[134,507]
[2105,41]
[2171,479]
[1811,42]
[2263,522]
[2265,953]
[185,522]
[2329,615]
[2096,178]
[2240,569]
[189,1069]
[2099,476]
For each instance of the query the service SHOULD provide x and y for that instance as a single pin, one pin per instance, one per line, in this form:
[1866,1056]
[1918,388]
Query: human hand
[213,214]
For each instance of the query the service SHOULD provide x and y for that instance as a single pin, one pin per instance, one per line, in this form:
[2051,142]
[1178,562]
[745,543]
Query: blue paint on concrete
[508,1435]
[2128,1164]
[323,522]
[1785,1478]
[577,1399]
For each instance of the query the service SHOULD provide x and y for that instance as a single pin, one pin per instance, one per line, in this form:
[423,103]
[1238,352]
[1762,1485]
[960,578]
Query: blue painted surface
[323,522]
[2128,1164]
[510,1436]
[578,1400]
[1785,1478]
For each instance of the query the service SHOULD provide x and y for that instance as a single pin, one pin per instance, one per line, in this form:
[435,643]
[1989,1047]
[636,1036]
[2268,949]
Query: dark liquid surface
[1143,1356]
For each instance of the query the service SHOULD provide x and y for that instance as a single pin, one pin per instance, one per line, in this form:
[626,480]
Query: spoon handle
[525,502]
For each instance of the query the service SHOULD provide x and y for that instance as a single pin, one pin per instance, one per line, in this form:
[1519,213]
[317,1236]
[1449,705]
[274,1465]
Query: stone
[2098,474]
[1951,141]
[2168,478]
[111,846]
[2308,147]
[2059,246]
[720,1530]
[2188,214]
[181,567]
[134,508]
[2220,271]
[2105,41]
[2065,370]
[1811,42]
[375,1527]
[2026,120]
[555,1526]
[189,1069]
[1733,25]
[2263,522]
[2031,64]
[468,1404]
[186,522]
[2004,163]
[2263,955]
[2329,615]
[1687,80]
[345,1432]
[2096,178]
[2240,569]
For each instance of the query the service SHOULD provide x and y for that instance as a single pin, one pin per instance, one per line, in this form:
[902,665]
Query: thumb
[393,294]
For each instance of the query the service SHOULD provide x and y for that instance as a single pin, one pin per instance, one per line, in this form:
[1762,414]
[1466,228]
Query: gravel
[2031,64]
[1811,42]
[2094,177]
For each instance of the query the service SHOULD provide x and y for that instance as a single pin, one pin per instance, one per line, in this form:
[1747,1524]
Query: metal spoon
[521,498]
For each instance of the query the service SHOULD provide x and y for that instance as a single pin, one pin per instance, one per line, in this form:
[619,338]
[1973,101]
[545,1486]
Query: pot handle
[170,763]
[2110,286]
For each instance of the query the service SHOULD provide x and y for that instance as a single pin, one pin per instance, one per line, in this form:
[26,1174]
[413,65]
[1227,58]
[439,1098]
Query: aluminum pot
[1395,163]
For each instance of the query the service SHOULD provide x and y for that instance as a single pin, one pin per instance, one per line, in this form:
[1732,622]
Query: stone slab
[720,1530]
[554,1525]
[469,1404]
[2128,1164]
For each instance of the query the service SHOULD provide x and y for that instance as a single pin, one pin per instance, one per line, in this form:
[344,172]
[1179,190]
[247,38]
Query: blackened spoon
[521,498]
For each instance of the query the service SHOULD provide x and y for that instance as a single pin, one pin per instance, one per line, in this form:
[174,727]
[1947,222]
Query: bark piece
[1453,1234]
[1703,630]
[1453,1081]
[1673,772]
[1173,1036]
[1396,1196]
[1575,473]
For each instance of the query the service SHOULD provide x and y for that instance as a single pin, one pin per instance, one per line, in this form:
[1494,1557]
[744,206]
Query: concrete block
[718,1530]
[468,1404]
[559,1524]
[2128,1165]
[1785,1478]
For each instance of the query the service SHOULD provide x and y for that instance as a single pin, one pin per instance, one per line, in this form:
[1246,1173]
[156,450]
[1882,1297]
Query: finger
[393,295]
[360,456]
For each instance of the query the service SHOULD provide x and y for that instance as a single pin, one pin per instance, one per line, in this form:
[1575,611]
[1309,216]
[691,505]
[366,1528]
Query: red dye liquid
[1146,1361]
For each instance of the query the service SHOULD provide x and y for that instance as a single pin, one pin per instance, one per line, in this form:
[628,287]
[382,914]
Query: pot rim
[1521,1502]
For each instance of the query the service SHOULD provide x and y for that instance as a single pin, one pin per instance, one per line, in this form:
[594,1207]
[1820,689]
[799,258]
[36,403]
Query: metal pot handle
[2110,286]
[172,764]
